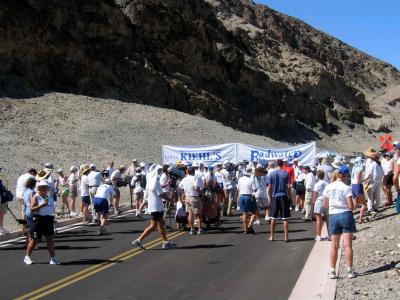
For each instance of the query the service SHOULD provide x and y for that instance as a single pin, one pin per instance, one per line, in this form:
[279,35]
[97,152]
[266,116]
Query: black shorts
[86,200]
[40,225]
[388,179]
[157,215]
[280,207]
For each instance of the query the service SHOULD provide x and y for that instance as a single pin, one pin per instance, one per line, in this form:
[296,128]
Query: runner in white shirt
[116,179]
[156,208]
[95,180]
[138,183]
[260,181]
[228,176]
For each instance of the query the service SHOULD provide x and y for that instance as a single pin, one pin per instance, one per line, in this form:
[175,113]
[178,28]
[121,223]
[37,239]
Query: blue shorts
[357,190]
[101,205]
[247,204]
[342,223]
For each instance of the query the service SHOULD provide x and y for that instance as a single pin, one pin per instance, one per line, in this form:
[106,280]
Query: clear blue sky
[372,26]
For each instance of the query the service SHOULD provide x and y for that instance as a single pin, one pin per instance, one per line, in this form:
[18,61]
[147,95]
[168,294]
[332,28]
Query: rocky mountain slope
[236,62]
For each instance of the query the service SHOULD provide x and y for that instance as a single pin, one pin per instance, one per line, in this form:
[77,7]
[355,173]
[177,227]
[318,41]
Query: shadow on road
[84,262]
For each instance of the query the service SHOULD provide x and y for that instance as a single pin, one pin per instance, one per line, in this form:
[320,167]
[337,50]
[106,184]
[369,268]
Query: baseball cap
[43,183]
[49,166]
[93,166]
[344,170]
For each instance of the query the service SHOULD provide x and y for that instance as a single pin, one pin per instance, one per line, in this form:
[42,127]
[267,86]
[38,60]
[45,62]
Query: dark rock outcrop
[242,64]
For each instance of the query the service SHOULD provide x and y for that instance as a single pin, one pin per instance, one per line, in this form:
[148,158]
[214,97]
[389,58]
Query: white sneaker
[257,222]
[332,274]
[192,231]
[28,260]
[168,245]
[351,274]
[303,211]
[3,231]
[238,208]
[138,244]
[267,218]
[318,238]
[200,231]
[297,208]
[55,261]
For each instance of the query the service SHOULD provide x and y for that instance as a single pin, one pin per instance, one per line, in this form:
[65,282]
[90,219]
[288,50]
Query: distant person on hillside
[338,198]
[278,190]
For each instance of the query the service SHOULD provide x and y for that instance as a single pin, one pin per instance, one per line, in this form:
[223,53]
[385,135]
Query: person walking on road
[338,198]
[308,202]
[20,191]
[247,201]
[278,190]
[193,187]
[42,208]
[100,202]
[155,196]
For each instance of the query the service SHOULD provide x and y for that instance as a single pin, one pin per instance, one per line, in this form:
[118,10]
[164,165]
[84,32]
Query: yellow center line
[48,289]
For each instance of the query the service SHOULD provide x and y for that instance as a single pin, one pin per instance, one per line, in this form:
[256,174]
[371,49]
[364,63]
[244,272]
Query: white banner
[305,153]
[205,154]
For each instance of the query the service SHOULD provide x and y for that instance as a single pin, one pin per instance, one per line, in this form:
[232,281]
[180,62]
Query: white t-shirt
[73,180]
[95,178]
[211,179]
[189,185]
[115,175]
[301,176]
[136,183]
[374,172]
[84,188]
[357,169]
[319,188]
[387,166]
[227,179]
[246,186]
[337,193]
[110,170]
[218,176]
[21,185]
[261,186]
[154,199]
[310,181]
[164,182]
[105,191]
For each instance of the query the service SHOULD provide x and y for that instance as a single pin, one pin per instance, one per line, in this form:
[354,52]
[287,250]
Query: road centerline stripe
[92,270]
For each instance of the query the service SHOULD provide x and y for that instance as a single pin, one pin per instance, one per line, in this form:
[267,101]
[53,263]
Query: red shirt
[290,170]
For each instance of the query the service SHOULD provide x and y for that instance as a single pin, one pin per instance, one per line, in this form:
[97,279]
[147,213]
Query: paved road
[218,265]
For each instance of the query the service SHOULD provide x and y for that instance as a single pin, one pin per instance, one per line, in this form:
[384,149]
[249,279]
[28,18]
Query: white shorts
[319,208]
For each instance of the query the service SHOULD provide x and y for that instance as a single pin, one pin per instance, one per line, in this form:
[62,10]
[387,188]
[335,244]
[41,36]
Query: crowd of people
[202,194]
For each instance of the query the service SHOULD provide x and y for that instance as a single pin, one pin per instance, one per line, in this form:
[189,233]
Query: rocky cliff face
[236,62]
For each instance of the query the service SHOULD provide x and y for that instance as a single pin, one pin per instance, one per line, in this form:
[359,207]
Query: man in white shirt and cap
[373,176]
